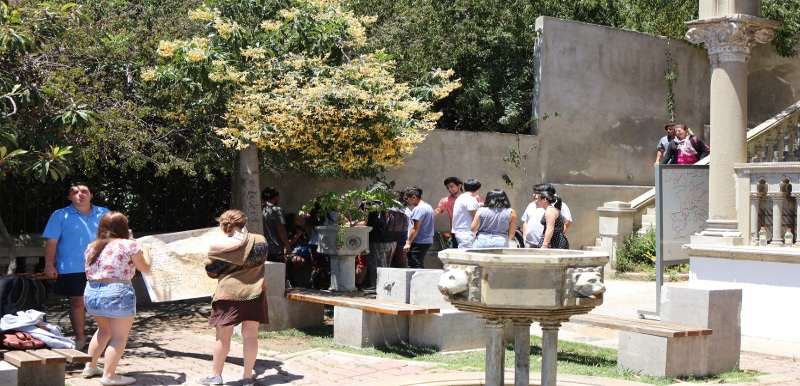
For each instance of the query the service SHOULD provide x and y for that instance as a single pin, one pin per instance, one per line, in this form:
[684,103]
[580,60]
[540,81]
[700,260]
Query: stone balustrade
[772,202]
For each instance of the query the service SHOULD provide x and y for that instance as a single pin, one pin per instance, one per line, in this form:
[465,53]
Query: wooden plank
[72,355]
[357,301]
[48,356]
[650,327]
[22,359]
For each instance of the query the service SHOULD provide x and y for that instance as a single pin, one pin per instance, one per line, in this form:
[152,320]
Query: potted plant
[349,236]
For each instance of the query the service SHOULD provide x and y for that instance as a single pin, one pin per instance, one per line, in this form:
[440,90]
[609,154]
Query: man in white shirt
[463,213]
[532,227]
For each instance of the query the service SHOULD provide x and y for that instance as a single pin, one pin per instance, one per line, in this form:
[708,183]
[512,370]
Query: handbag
[21,340]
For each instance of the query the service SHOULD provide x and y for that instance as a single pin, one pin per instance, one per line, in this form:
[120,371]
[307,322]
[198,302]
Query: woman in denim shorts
[111,262]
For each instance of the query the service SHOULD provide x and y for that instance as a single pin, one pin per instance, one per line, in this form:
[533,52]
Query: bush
[638,253]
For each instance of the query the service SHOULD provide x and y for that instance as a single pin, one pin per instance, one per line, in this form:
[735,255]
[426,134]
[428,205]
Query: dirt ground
[185,315]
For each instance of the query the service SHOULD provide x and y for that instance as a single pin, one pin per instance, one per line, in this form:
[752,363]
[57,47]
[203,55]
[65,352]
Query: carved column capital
[730,38]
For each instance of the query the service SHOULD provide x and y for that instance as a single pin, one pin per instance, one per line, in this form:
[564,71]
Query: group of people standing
[492,223]
[91,253]
[680,146]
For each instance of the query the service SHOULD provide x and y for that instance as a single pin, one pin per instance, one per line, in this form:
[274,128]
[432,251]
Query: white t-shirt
[565,212]
[462,220]
[533,231]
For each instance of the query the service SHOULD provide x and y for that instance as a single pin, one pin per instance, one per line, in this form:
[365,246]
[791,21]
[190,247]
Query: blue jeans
[465,239]
[112,300]
[486,240]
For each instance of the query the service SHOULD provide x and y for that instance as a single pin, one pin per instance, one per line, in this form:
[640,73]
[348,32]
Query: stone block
[424,292]
[275,275]
[43,375]
[358,328]
[394,284]
[717,309]
[8,373]
[449,330]
[289,313]
[660,356]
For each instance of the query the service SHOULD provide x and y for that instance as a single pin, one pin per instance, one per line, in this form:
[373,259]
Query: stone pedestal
[343,253]
[616,224]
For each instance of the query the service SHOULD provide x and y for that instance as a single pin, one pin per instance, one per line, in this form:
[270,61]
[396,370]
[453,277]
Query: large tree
[298,80]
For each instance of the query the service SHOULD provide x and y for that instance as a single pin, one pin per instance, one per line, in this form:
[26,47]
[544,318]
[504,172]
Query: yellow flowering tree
[298,79]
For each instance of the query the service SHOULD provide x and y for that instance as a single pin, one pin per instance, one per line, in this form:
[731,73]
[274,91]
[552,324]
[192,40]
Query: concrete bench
[643,326]
[699,334]
[363,322]
[38,367]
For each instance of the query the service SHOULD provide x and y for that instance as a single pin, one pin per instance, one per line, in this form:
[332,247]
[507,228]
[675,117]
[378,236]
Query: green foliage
[637,253]
[350,204]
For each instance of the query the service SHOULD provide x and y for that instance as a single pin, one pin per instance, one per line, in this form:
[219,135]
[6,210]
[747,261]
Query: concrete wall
[608,87]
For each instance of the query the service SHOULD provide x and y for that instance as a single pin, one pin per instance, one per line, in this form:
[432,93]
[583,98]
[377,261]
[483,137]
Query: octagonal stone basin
[542,284]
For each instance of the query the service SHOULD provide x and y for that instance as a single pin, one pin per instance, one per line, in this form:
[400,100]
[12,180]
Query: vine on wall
[670,76]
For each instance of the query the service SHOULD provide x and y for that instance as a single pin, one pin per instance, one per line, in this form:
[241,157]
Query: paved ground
[176,350]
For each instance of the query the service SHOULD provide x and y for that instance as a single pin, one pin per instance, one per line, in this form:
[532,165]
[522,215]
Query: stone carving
[461,282]
[584,285]
[729,39]
[589,284]
[387,288]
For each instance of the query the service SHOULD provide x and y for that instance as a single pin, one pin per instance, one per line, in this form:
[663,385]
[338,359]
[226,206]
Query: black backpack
[21,293]
[391,225]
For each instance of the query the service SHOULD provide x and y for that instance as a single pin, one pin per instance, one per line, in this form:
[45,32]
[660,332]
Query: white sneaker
[123,380]
[91,372]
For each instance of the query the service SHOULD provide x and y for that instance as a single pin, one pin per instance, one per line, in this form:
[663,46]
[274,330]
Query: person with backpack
[685,148]
[420,234]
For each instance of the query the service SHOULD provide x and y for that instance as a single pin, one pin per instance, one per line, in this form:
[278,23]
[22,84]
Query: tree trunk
[12,249]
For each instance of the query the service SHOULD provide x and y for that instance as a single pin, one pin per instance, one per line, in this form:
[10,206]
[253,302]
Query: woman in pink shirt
[111,262]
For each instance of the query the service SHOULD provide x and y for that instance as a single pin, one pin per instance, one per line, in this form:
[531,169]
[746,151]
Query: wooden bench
[357,301]
[643,326]
[43,366]
[364,322]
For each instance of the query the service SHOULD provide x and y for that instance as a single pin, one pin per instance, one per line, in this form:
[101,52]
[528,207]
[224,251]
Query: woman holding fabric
[685,148]
[236,259]
[495,222]
[553,235]
[111,262]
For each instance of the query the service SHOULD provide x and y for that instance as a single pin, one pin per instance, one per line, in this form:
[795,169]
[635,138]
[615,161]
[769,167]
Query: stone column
[549,351]
[495,352]
[522,352]
[728,40]
[777,217]
[250,188]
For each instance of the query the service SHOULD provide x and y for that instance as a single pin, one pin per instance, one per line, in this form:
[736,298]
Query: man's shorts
[70,284]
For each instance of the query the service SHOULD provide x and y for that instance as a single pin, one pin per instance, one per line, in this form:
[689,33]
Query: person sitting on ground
[111,262]
[685,148]
[553,221]
[236,259]
[495,222]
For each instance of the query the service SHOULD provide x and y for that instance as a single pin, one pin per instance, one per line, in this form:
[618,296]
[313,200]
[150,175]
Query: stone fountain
[343,258]
[521,286]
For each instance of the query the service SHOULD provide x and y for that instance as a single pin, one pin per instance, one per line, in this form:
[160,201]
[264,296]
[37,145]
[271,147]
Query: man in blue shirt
[420,234]
[69,230]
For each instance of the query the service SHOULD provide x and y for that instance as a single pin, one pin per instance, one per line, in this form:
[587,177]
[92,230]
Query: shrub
[638,253]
